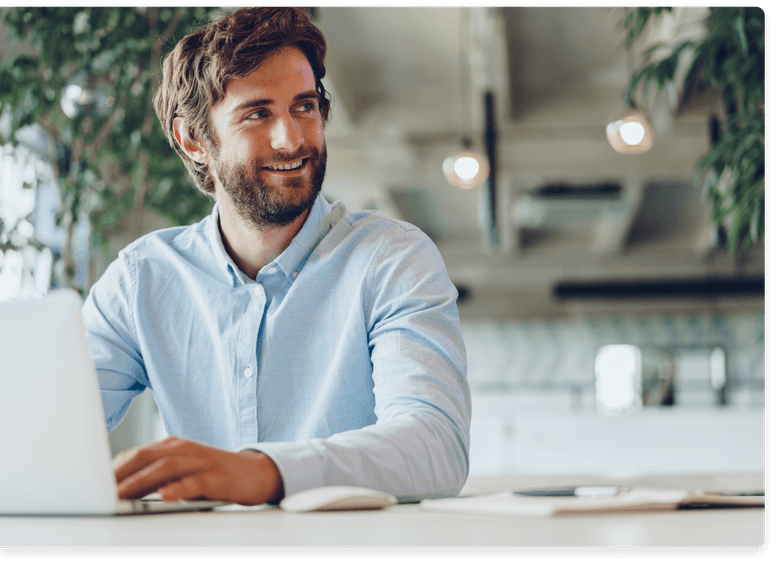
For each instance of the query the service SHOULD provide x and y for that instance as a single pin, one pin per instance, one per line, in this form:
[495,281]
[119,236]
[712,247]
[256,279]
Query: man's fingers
[128,462]
[184,469]
[189,488]
[158,474]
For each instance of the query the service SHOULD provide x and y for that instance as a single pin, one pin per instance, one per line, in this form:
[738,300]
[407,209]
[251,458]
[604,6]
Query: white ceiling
[405,61]
[392,57]
[557,73]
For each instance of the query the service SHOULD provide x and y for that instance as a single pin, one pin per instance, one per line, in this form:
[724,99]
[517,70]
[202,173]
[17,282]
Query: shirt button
[248,372]
[272,270]
[294,274]
[257,291]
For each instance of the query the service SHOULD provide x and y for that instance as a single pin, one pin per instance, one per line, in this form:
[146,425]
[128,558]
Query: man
[289,343]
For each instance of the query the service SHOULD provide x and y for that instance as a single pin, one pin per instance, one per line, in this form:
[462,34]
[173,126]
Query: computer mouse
[337,498]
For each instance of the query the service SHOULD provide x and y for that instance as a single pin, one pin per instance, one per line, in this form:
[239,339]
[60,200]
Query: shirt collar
[225,263]
[315,227]
[319,221]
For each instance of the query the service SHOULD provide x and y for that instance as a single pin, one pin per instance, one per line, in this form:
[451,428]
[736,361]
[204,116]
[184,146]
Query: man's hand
[180,469]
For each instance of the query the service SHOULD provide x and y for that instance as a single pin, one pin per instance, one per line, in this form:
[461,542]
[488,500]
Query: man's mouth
[286,166]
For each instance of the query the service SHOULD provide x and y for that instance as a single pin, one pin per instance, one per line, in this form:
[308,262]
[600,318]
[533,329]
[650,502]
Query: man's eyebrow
[251,104]
[306,95]
[248,104]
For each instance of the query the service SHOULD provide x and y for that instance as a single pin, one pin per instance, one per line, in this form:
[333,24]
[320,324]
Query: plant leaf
[739,27]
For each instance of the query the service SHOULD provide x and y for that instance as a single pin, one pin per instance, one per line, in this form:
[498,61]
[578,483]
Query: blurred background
[605,230]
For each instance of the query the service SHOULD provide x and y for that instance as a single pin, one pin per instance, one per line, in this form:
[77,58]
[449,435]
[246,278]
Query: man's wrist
[270,473]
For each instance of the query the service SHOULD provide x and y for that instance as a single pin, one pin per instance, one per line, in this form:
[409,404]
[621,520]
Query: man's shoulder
[375,224]
[180,238]
[371,236]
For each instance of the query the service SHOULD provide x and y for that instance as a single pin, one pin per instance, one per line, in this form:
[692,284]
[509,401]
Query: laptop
[55,452]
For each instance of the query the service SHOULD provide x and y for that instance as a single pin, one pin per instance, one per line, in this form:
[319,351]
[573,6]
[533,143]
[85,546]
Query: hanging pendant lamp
[628,129]
[468,168]
[630,132]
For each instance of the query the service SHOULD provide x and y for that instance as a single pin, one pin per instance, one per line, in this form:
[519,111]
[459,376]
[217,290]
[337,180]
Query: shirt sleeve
[419,447]
[112,335]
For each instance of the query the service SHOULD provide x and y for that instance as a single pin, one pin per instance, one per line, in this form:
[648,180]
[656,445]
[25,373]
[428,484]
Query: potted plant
[85,77]
[729,60]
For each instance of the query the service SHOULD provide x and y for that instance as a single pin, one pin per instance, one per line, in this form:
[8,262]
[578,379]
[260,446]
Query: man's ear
[191,146]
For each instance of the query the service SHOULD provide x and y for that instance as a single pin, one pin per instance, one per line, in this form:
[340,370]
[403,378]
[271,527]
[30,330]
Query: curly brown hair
[197,70]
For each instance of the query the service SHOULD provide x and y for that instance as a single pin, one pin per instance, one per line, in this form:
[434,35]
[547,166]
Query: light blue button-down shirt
[343,360]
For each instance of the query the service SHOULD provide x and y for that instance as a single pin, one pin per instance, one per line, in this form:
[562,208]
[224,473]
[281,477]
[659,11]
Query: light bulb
[466,167]
[86,93]
[466,170]
[631,134]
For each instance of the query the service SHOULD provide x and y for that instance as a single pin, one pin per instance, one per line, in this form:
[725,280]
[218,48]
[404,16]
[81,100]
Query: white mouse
[337,498]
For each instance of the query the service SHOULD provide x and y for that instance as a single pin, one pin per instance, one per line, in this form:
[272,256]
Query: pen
[737,493]
[596,491]
[613,490]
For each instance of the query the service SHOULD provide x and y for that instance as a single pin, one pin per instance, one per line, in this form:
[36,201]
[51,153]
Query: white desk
[407,525]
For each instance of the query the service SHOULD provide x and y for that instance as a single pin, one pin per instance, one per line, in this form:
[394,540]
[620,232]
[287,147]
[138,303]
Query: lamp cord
[463,64]
[90,38]
[629,65]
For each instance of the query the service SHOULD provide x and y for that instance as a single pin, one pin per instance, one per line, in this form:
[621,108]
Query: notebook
[55,452]
[508,503]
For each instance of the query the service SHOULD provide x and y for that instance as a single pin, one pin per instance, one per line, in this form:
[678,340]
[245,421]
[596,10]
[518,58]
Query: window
[30,240]
[618,380]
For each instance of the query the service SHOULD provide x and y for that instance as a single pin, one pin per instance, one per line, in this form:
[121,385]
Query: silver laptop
[53,439]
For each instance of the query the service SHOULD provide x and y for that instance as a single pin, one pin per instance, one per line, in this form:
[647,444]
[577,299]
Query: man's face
[271,155]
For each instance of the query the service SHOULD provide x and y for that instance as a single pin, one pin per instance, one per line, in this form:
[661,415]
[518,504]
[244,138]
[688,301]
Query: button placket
[248,361]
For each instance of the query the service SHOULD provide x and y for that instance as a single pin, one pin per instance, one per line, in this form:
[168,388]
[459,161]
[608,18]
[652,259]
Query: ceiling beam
[611,231]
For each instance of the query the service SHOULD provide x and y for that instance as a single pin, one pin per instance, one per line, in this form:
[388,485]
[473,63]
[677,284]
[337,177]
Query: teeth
[289,166]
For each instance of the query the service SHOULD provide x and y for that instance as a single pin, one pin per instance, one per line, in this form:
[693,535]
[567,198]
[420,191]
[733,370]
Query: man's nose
[286,134]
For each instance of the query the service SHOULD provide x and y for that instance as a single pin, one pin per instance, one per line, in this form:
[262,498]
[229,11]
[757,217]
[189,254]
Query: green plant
[731,60]
[109,165]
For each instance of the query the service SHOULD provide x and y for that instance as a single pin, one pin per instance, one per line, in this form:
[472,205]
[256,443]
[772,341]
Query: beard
[264,204]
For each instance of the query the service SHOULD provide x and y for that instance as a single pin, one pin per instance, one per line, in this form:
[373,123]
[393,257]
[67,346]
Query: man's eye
[258,114]
[308,106]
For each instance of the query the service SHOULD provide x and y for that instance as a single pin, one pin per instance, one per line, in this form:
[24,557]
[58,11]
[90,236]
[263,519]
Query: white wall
[510,438]
[533,397]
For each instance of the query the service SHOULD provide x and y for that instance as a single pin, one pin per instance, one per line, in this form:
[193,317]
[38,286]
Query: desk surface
[407,525]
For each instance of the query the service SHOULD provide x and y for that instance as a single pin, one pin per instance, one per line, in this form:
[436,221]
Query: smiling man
[289,343]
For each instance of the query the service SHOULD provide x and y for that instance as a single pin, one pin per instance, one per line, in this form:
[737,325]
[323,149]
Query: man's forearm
[412,457]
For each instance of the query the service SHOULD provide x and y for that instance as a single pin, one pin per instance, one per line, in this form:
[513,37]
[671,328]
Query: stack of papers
[511,504]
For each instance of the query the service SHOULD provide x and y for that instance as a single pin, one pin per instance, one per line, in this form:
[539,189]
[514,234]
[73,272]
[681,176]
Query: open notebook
[624,500]
[54,443]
